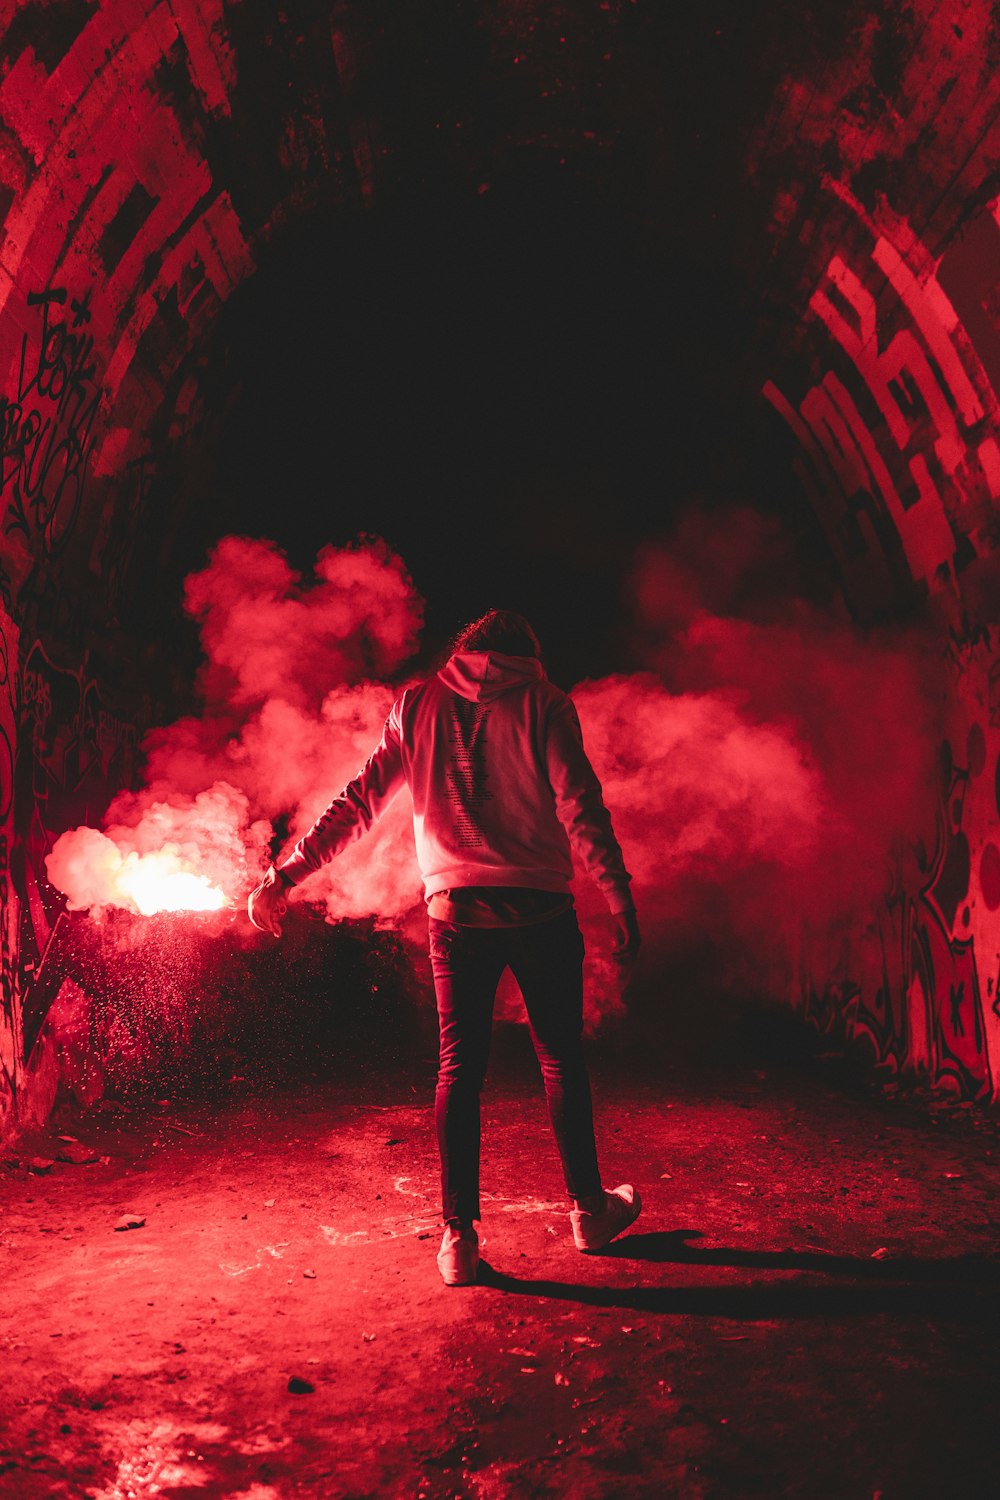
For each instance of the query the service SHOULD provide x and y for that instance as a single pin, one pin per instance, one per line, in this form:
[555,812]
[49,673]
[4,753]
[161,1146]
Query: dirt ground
[808,1305]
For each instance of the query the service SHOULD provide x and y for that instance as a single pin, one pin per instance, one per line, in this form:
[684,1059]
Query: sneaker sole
[593,1249]
[459,1280]
[455,1276]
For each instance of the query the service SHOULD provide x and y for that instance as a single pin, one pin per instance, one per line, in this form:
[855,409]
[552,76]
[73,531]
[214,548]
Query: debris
[952,1176]
[39,1163]
[369,1338]
[666,1176]
[881,1253]
[397,1140]
[75,1152]
[310,1275]
[561,1379]
[299,1387]
[269,1202]
[130,1221]
[182,1129]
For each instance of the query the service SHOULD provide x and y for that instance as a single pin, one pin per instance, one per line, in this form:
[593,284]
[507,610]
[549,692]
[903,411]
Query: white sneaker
[622,1207]
[458,1258]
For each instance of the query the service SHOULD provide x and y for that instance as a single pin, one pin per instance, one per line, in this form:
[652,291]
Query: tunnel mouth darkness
[324,329]
[507,389]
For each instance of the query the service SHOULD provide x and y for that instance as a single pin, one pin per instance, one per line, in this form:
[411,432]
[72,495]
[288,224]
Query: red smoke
[785,749]
[295,700]
[757,771]
[176,853]
[267,638]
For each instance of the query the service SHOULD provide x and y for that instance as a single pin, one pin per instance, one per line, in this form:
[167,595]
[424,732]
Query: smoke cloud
[295,693]
[757,768]
[267,638]
[764,767]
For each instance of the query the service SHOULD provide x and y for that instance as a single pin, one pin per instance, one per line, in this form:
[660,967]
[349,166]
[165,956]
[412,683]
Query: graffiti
[114,541]
[64,750]
[943,961]
[52,606]
[915,1001]
[75,752]
[898,454]
[46,428]
[881,461]
[9,979]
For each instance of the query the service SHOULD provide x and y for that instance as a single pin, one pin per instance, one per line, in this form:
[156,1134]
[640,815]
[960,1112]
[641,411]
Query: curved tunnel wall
[153,154]
[140,179]
[881,170]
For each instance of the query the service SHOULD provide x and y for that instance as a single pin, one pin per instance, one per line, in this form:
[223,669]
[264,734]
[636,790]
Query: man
[492,753]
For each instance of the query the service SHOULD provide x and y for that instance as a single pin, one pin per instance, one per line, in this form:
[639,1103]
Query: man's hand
[627,938]
[268,903]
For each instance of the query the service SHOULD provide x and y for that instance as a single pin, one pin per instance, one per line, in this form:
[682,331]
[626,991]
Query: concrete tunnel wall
[154,153]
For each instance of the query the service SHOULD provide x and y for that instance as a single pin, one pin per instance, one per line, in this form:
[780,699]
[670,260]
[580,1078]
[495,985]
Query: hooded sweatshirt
[492,753]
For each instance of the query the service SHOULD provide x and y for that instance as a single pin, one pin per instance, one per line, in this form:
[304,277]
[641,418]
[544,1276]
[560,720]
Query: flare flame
[99,873]
[163,882]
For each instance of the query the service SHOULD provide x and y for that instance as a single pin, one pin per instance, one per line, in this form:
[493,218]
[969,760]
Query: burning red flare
[102,875]
[162,882]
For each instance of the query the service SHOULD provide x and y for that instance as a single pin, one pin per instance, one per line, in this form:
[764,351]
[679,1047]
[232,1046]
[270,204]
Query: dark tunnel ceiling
[509,393]
[502,285]
[522,357]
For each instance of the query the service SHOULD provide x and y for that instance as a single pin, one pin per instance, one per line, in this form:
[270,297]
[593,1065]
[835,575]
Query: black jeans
[547,961]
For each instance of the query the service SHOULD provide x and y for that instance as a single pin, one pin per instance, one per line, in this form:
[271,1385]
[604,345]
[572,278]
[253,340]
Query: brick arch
[141,178]
[155,153]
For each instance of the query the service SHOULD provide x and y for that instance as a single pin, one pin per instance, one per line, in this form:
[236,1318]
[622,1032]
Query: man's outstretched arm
[581,809]
[351,813]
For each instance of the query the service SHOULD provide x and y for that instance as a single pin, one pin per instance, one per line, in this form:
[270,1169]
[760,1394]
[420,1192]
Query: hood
[484,675]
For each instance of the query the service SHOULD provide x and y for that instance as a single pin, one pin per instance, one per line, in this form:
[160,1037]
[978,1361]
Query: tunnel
[324,330]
